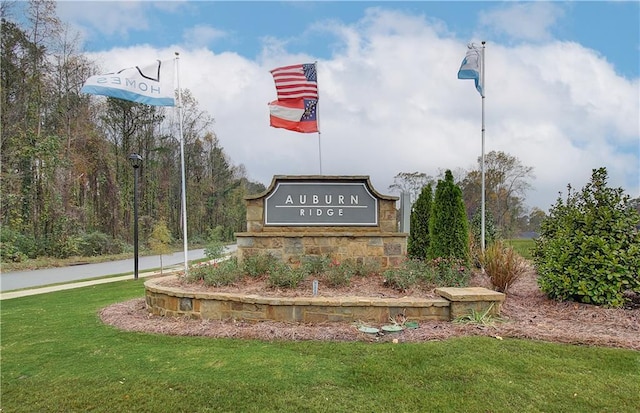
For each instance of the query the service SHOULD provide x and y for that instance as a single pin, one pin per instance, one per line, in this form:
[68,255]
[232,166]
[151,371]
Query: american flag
[296,81]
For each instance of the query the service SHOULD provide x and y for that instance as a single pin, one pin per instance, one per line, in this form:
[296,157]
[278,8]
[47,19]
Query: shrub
[367,268]
[418,242]
[407,274]
[339,274]
[448,226]
[98,243]
[65,247]
[16,247]
[315,264]
[283,276]
[450,272]
[215,247]
[259,264]
[218,274]
[440,272]
[589,246]
[503,265]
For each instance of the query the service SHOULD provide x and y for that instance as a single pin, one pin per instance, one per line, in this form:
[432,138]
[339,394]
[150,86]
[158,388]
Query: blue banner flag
[471,67]
[151,85]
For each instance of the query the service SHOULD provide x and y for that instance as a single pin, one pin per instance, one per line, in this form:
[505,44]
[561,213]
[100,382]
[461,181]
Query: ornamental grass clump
[503,265]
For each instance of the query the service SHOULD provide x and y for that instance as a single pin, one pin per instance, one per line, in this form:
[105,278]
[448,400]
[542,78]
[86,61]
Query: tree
[506,184]
[536,216]
[411,183]
[418,243]
[589,246]
[63,155]
[160,240]
[448,225]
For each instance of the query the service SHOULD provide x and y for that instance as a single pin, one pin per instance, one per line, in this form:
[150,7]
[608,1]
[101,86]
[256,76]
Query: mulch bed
[526,313]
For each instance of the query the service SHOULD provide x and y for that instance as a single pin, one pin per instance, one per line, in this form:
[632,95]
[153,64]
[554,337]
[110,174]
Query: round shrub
[589,247]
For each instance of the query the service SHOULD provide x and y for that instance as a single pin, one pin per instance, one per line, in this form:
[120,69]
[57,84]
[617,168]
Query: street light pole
[136,162]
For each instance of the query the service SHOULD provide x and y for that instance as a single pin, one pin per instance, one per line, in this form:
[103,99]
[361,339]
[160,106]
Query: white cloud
[526,21]
[390,102]
[108,17]
[201,35]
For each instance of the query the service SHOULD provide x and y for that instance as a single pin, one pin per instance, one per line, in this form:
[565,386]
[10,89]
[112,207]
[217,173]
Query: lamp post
[136,162]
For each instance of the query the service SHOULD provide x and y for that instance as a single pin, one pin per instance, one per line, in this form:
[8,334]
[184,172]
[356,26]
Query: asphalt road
[36,278]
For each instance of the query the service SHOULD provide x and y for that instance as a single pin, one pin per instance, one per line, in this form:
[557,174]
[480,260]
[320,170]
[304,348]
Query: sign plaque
[321,204]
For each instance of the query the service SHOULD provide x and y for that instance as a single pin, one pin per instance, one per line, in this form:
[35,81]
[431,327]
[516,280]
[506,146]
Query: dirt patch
[526,313]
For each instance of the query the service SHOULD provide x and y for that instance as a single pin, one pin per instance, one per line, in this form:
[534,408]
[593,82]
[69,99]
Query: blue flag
[471,67]
[151,85]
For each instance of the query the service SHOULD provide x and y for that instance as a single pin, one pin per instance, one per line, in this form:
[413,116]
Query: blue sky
[563,88]
[612,28]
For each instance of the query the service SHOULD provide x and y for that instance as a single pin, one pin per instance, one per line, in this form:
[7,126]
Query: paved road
[47,276]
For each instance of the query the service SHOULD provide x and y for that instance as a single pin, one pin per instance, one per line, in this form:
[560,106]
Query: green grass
[58,357]
[524,247]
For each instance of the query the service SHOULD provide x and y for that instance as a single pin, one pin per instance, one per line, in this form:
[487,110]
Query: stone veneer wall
[382,244]
[453,302]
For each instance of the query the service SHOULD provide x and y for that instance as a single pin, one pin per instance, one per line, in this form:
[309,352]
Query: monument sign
[321,204]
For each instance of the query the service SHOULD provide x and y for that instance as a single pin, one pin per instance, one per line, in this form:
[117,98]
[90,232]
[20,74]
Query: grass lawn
[524,247]
[58,357]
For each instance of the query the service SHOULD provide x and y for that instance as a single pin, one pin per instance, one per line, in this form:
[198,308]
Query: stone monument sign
[338,216]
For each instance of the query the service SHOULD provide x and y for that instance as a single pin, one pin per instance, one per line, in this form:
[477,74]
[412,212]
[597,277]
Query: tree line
[507,181]
[66,179]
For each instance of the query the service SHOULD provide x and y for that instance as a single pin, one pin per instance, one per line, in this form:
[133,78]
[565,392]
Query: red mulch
[526,313]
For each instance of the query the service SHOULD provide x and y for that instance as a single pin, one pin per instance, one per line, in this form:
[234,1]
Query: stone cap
[469,294]
[319,178]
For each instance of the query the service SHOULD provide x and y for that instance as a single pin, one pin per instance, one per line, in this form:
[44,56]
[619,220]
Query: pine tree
[418,243]
[448,226]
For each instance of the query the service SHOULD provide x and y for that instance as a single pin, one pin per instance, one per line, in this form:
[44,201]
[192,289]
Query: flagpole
[184,188]
[318,119]
[319,150]
[482,166]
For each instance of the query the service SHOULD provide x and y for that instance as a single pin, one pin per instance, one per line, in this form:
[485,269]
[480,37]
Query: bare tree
[507,181]
[411,183]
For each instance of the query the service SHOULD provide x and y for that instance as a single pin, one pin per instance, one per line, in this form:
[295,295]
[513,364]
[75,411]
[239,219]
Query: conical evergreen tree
[418,243]
[448,226]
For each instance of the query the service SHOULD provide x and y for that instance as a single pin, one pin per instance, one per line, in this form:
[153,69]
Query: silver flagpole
[319,148]
[482,166]
[318,119]
[184,188]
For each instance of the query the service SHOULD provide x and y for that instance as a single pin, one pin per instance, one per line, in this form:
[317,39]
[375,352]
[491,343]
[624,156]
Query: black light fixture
[136,162]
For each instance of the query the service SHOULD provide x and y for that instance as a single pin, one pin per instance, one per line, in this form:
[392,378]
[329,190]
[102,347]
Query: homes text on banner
[152,84]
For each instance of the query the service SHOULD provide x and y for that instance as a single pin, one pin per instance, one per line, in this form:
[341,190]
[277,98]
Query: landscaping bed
[526,313]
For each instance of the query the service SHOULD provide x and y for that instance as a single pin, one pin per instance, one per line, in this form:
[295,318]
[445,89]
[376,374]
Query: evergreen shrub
[448,224]
[589,247]
[418,242]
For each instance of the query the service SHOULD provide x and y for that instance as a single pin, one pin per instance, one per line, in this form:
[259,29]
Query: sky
[562,82]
